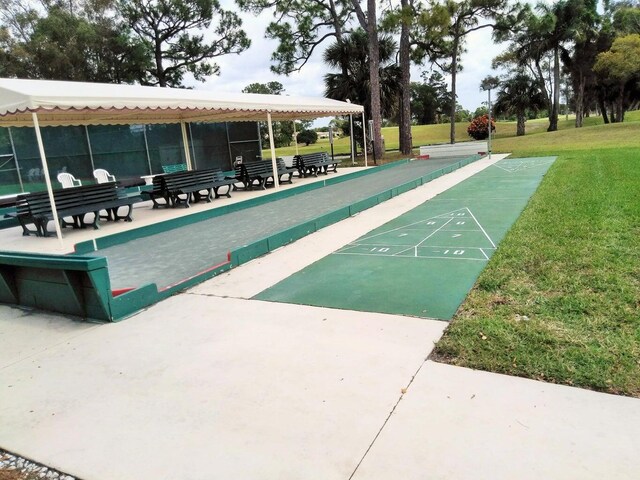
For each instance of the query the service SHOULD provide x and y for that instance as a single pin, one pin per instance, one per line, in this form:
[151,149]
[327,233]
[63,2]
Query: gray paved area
[177,254]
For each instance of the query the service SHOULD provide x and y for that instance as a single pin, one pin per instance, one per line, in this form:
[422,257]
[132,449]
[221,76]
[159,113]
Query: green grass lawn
[560,299]
[429,134]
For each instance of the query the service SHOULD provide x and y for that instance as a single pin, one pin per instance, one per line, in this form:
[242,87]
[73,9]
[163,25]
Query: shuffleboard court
[424,262]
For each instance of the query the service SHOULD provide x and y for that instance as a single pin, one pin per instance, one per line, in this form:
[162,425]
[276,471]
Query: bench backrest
[257,168]
[310,159]
[38,203]
[218,175]
[188,179]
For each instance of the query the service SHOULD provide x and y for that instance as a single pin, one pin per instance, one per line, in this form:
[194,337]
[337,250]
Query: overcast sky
[238,71]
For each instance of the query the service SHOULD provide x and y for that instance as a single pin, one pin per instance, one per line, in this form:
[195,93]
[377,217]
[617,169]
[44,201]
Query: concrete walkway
[210,385]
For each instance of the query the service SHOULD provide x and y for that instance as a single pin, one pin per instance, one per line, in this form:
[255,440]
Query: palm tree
[517,96]
[355,85]
[549,32]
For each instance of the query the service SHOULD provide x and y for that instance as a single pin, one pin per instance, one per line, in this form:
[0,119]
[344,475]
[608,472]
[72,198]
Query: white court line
[440,217]
[408,247]
[483,230]
[484,253]
[434,232]
[419,256]
[505,169]
[415,251]
[483,198]
[399,228]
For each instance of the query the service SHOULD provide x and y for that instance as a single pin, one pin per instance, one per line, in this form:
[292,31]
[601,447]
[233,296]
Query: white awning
[79,103]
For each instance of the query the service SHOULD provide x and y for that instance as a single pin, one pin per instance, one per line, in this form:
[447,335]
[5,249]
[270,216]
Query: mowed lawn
[560,299]
[430,134]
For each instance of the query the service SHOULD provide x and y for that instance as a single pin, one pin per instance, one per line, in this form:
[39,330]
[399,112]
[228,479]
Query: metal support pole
[47,180]
[185,143]
[364,139]
[15,159]
[93,165]
[489,127]
[274,164]
[352,143]
[295,137]
[194,159]
[146,148]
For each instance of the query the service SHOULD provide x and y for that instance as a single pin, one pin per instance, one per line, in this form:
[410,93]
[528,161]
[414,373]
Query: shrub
[307,137]
[478,128]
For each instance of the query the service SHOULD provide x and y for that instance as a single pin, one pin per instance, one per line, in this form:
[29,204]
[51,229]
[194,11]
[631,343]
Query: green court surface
[424,262]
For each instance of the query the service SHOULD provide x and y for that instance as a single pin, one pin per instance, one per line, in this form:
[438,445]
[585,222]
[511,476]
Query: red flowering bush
[478,128]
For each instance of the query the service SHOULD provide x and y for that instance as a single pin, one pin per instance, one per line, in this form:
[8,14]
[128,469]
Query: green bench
[260,173]
[314,163]
[180,188]
[76,203]
[254,174]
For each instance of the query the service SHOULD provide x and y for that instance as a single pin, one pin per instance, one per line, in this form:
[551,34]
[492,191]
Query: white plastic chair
[67,180]
[102,176]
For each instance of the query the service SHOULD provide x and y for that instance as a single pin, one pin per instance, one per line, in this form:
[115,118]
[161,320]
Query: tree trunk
[452,110]
[337,26]
[162,79]
[520,124]
[579,95]
[612,115]
[405,89]
[603,109]
[620,105]
[542,85]
[553,115]
[368,22]
[374,78]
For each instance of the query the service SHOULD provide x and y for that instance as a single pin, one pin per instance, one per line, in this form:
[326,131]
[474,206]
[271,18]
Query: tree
[464,18]
[353,51]
[621,64]
[270,88]
[300,27]
[579,62]
[172,31]
[65,44]
[282,131]
[307,137]
[402,19]
[369,23]
[517,96]
[626,18]
[406,141]
[549,32]
[429,99]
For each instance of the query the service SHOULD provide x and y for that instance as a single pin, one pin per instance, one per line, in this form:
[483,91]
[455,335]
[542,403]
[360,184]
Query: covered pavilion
[37,103]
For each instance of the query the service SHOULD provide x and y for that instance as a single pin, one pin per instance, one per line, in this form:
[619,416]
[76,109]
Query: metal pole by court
[185,142]
[364,139]
[47,180]
[295,136]
[274,164]
[489,127]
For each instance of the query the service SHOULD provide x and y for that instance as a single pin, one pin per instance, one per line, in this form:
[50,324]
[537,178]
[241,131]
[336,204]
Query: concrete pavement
[210,385]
